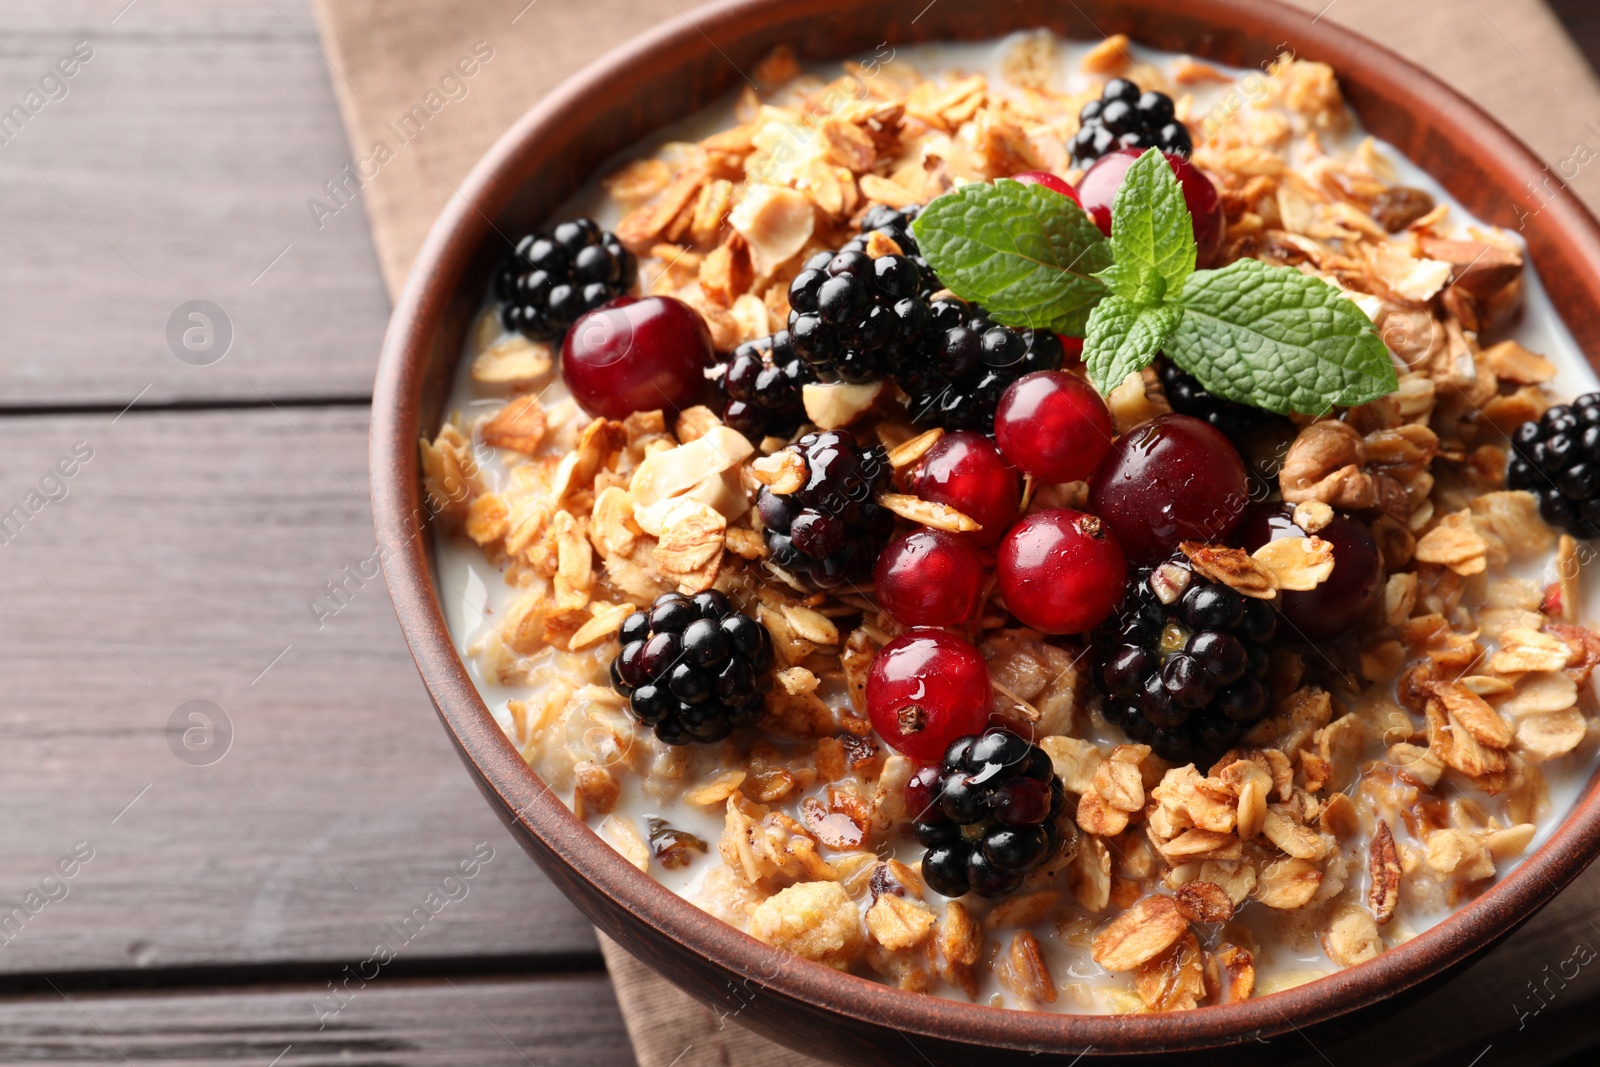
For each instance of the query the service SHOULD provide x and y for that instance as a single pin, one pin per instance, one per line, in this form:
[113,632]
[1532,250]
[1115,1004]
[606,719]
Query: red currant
[1336,605]
[1053,425]
[925,689]
[1173,479]
[1099,184]
[1061,571]
[964,470]
[637,354]
[1049,181]
[929,578]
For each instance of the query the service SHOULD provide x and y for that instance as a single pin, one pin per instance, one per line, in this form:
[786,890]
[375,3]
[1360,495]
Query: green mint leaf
[1150,224]
[1135,282]
[1124,336]
[1027,254]
[1278,339]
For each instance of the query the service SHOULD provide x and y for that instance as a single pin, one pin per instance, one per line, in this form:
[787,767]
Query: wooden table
[230,874]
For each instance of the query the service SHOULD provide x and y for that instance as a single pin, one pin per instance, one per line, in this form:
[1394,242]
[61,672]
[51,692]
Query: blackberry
[761,387]
[895,224]
[988,815]
[1186,678]
[973,361]
[693,668]
[1558,460]
[831,529]
[1125,117]
[855,318]
[551,279]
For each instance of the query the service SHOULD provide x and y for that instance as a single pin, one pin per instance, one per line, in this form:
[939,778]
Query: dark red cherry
[925,689]
[929,578]
[1173,479]
[1053,425]
[1099,184]
[637,354]
[964,470]
[1342,601]
[1061,571]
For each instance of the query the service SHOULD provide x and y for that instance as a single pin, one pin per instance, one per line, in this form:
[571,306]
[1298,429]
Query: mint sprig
[1266,336]
[1010,247]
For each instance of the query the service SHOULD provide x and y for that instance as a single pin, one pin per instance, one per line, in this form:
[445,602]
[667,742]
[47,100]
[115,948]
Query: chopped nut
[1234,568]
[832,405]
[904,455]
[1352,936]
[814,920]
[518,426]
[782,472]
[1384,864]
[1312,515]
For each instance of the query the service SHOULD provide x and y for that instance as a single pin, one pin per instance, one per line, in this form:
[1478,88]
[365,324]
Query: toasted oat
[1089,875]
[905,455]
[1147,929]
[717,790]
[623,836]
[1120,785]
[1107,57]
[514,361]
[1551,734]
[814,920]
[1096,816]
[1175,980]
[1474,714]
[690,549]
[1297,563]
[811,625]
[960,945]
[1455,543]
[1523,649]
[1288,884]
[897,923]
[673,471]
[604,621]
[1352,937]
[1232,567]
[1204,902]
[775,221]
[1023,970]
[928,513]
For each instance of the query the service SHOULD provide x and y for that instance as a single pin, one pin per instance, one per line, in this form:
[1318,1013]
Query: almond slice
[926,512]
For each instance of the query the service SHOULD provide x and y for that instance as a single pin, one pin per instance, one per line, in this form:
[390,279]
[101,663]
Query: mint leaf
[1027,254]
[1278,339]
[1124,336]
[1150,225]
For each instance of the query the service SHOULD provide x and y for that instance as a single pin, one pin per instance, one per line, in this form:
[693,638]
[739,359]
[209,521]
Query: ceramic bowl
[689,63]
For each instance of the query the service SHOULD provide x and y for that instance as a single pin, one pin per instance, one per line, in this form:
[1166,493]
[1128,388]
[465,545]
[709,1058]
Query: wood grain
[178,567]
[503,1023]
[177,167]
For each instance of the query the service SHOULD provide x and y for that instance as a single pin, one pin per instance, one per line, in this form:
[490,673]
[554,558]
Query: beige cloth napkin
[436,81]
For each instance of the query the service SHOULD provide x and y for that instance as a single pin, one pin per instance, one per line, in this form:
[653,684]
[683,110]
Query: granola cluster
[1398,772]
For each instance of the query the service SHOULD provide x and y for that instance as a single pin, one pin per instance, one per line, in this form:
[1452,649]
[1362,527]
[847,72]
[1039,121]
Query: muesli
[1069,527]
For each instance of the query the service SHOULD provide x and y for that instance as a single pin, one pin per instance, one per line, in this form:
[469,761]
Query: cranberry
[925,689]
[1053,425]
[1061,571]
[964,470]
[637,354]
[1071,347]
[929,578]
[1173,479]
[1049,181]
[1099,184]
[1342,601]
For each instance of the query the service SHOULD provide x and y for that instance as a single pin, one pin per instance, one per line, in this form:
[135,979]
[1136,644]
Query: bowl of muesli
[1021,530]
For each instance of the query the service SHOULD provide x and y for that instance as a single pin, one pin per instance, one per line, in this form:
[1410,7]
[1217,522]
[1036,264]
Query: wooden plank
[178,566]
[178,167]
[572,1022]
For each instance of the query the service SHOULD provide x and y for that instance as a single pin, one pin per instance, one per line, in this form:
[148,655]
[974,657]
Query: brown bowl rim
[451,244]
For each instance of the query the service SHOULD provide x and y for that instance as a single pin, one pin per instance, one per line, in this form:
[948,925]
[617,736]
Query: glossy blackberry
[1125,117]
[831,529]
[693,667]
[551,279]
[1557,459]
[973,360]
[761,387]
[988,815]
[855,318]
[1188,678]
[895,224]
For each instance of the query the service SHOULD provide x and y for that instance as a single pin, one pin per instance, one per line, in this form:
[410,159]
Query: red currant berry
[1099,184]
[1061,571]
[925,689]
[1072,347]
[1342,601]
[929,578]
[964,470]
[1173,479]
[1049,181]
[1053,425]
[637,354]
